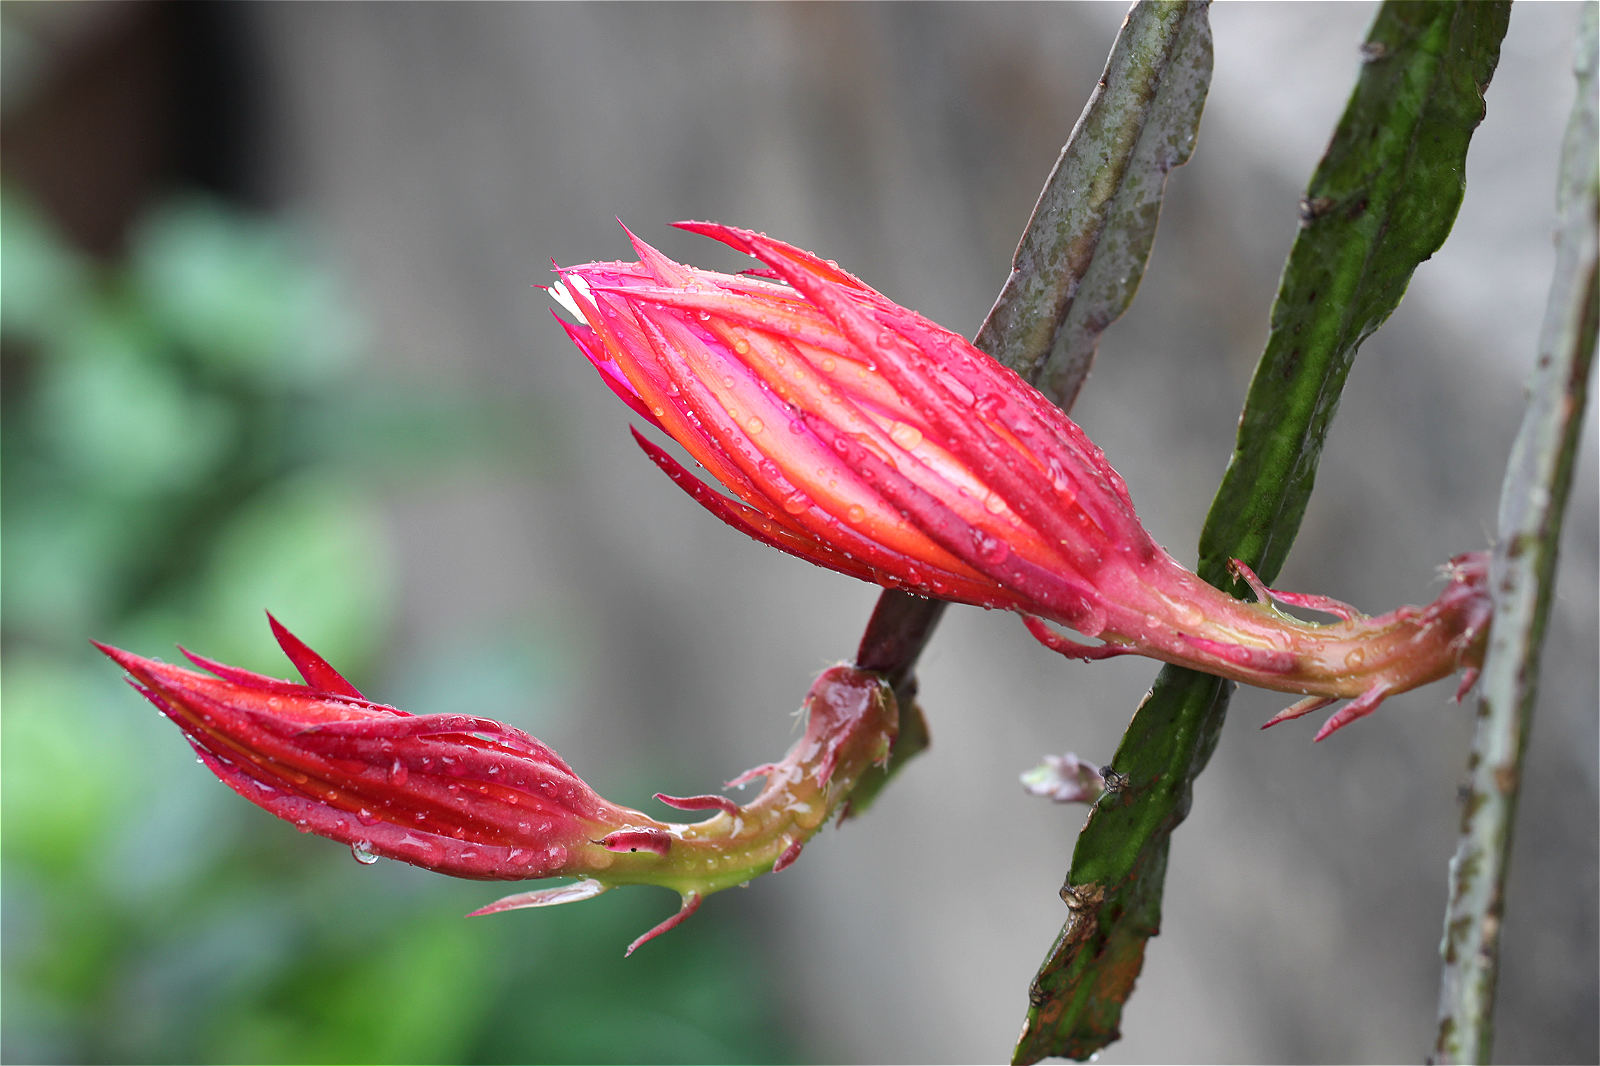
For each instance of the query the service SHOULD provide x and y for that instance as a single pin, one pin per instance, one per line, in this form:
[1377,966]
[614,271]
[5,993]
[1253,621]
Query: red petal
[313,667]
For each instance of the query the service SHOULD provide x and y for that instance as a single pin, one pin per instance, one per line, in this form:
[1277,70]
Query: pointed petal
[790,854]
[313,667]
[700,803]
[1324,604]
[544,897]
[588,343]
[748,241]
[240,676]
[1072,649]
[750,775]
[1302,707]
[691,903]
[1359,707]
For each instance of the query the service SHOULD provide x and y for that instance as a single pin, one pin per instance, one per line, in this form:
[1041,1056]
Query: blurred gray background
[441,156]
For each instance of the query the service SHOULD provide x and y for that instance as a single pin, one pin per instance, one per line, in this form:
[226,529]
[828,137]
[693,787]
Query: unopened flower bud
[473,797]
[862,437]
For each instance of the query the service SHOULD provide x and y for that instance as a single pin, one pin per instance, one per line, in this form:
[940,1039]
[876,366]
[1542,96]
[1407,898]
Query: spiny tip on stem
[691,903]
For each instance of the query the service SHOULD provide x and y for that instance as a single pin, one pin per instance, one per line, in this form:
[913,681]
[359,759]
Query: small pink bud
[1065,779]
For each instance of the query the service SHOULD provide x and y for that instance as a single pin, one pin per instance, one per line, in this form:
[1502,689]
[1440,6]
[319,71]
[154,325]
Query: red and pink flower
[860,436]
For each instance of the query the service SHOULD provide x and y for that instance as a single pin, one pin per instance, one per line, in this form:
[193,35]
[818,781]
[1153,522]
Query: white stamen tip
[561,295]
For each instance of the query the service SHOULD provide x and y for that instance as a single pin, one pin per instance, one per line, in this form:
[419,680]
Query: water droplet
[727,381]
[796,503]
[704,316]
[906,435]
[741,346]
[1058,477]
[991,549]
[769,469]
[989,406]
[829,365]
[1356,659]
[856,513]
[754,425]
[366,817]
[993,503]
[362,850]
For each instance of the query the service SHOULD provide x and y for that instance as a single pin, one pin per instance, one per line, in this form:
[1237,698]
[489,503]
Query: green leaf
[1079,262]
[1381,201]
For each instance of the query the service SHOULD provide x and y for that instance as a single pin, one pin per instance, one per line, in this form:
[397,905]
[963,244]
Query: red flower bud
[471,797]
[461,795]
[857,434]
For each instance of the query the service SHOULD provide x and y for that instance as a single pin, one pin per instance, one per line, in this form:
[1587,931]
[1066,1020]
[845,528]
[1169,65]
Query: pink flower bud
[461,795]
[857,434]
[471,797]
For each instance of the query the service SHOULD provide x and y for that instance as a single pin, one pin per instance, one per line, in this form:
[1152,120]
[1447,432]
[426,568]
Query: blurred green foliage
[186,441]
